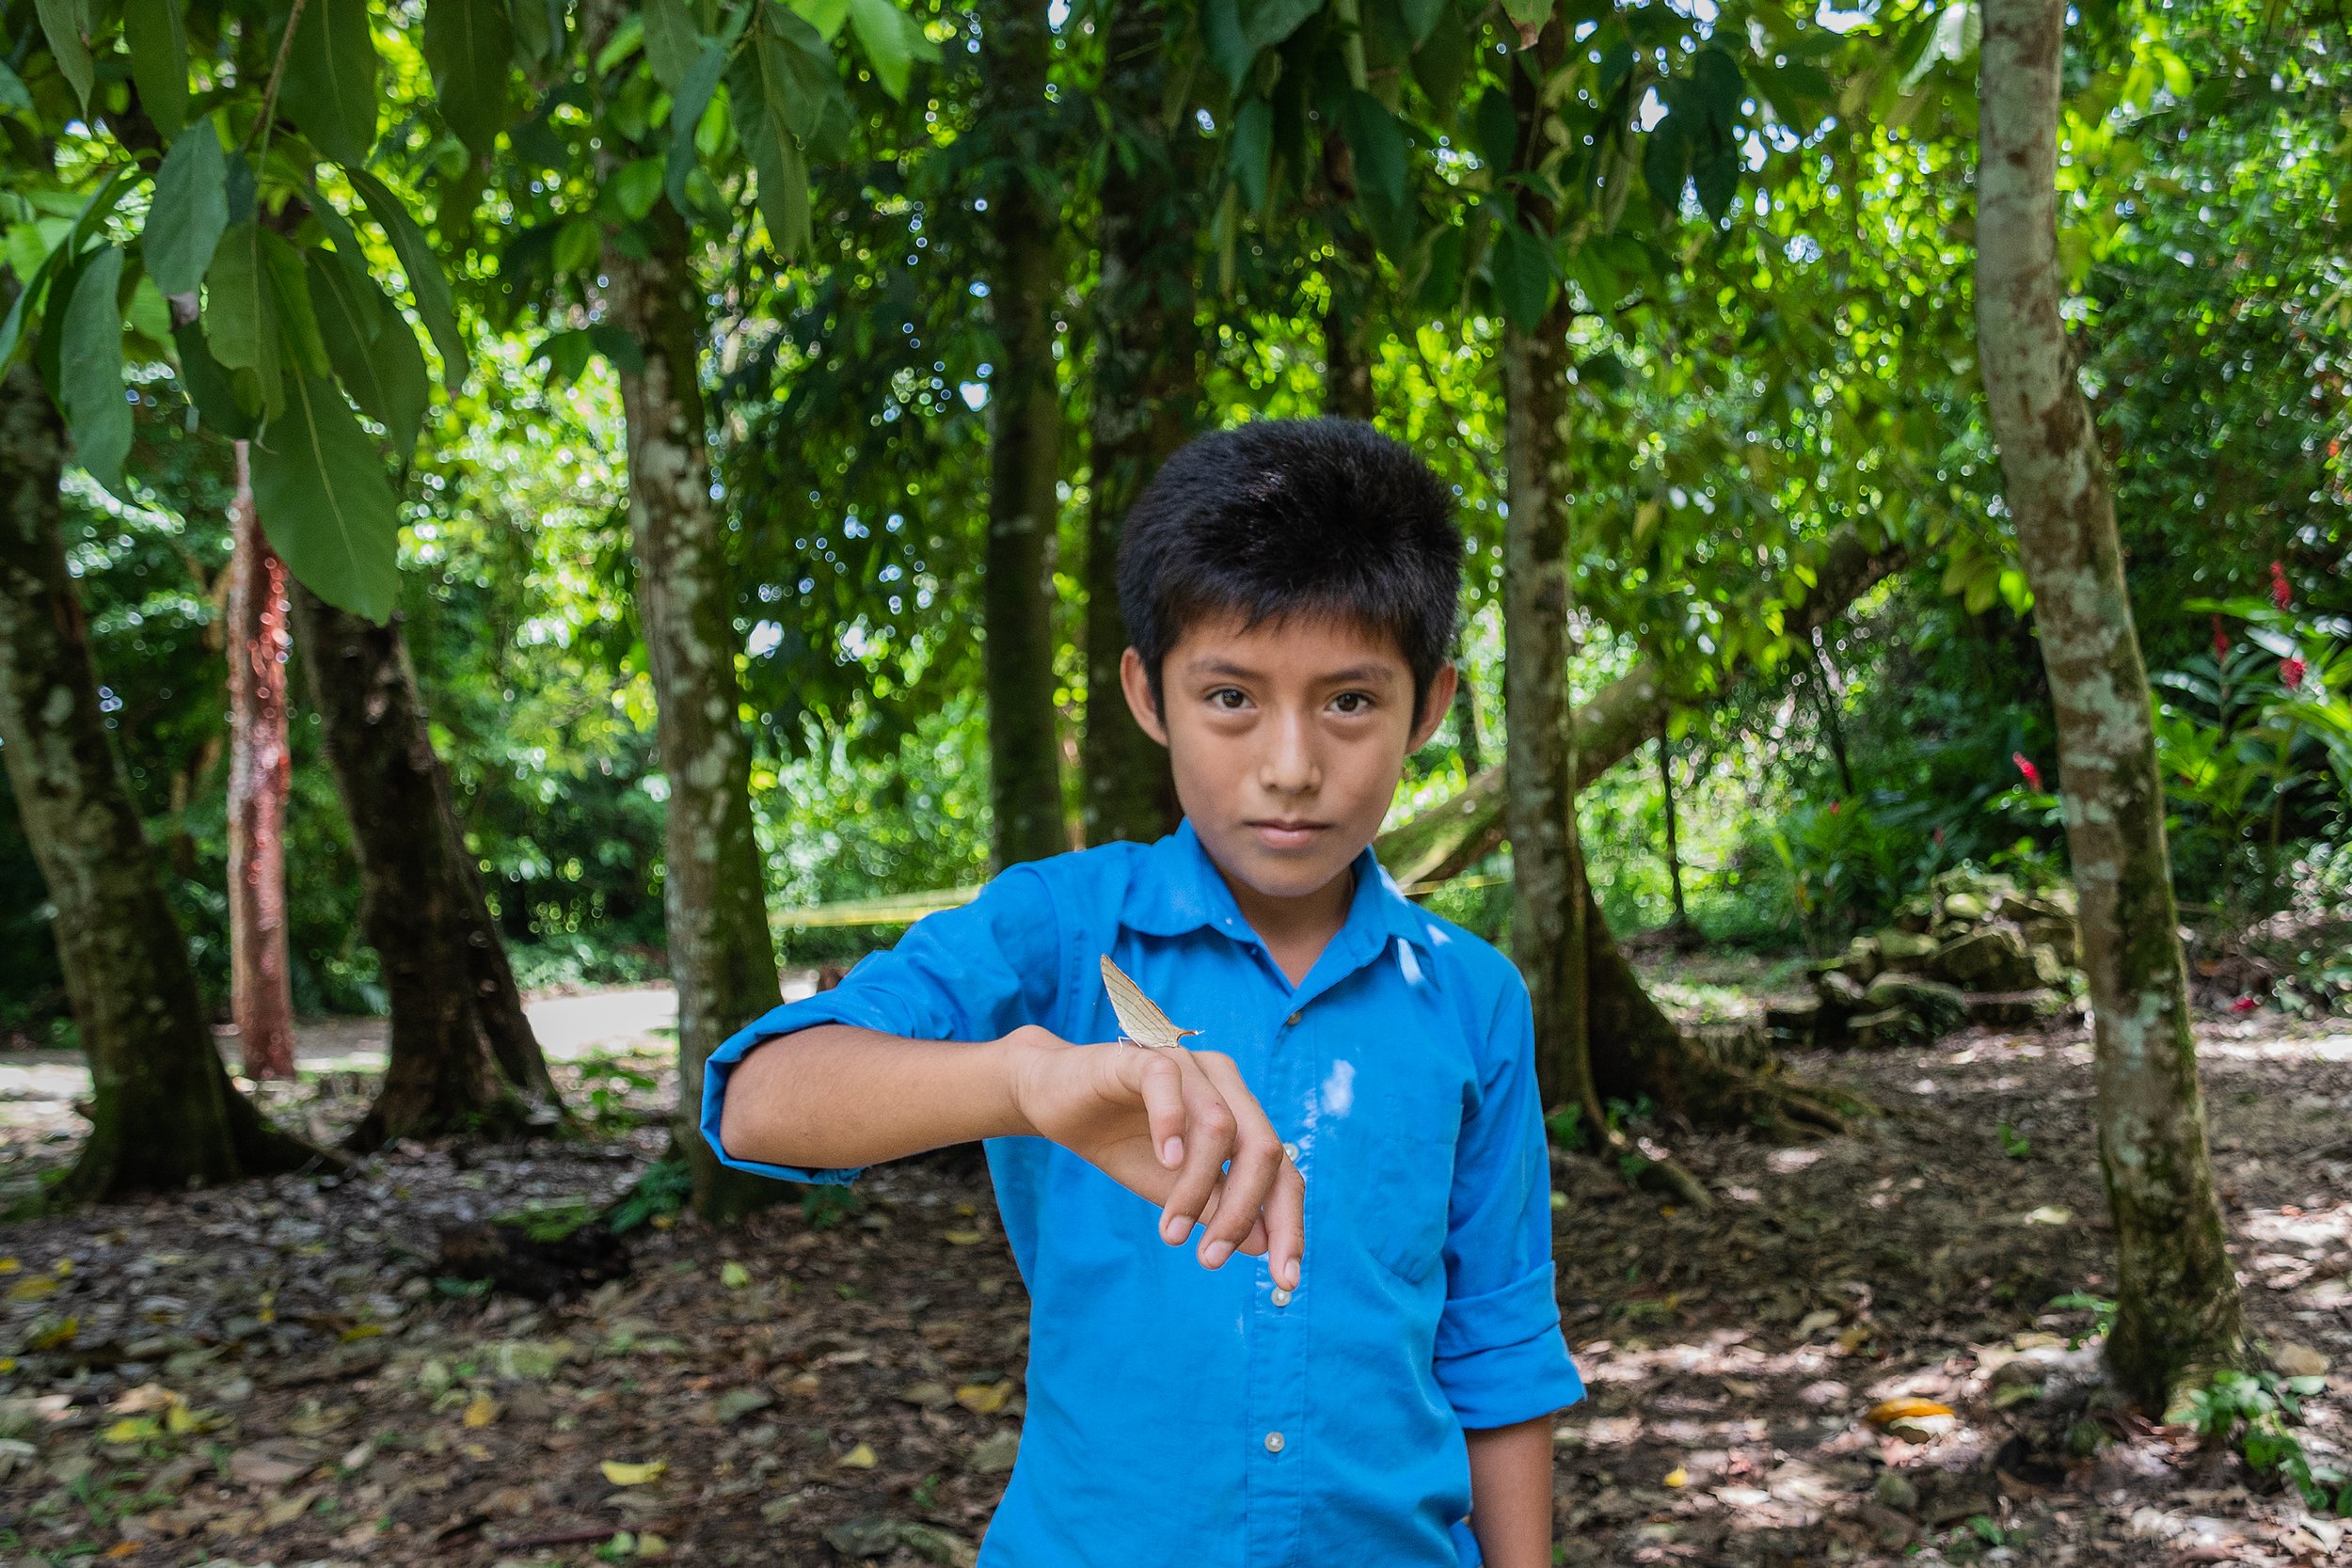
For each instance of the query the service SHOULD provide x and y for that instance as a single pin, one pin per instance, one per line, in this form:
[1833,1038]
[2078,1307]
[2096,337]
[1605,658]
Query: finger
[1285,1221]
[1254,1245]
[1208,1137]
[1257,1162]
[1163,1088]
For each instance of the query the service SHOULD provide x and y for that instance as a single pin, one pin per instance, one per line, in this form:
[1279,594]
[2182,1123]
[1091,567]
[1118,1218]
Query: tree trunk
[1024,441]
[1540,790]
[1833,720]
[2178,1311]
[1466,744]
[164,1114]
[1674,845]
[1347,279]
[1147,394]
[419,907]
[261,776]
[722,955]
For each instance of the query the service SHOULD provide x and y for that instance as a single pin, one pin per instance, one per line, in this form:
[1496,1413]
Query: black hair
[1284,518]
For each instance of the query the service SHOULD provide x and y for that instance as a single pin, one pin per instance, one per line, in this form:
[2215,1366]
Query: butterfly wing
[1138,1015]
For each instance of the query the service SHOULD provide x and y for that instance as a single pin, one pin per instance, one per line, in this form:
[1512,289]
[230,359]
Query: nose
[1291,766]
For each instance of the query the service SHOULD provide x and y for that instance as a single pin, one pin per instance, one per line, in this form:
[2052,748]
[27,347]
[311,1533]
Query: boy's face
[1287,741]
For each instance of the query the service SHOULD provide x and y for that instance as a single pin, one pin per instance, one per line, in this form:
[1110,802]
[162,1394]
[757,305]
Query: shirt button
[1290,1153]
[1274,1442]
[1295,1017]
[1281,1297]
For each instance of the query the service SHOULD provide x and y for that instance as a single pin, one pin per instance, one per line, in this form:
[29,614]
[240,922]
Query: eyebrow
[1357,674]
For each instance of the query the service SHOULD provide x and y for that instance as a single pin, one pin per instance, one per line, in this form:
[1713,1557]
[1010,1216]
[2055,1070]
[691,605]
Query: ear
[1433,706]
[1136,681]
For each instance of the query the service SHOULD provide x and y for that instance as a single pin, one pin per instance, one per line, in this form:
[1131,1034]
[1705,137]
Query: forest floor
[276,1374]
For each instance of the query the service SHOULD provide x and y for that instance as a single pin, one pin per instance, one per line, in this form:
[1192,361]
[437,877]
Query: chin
[1278,875]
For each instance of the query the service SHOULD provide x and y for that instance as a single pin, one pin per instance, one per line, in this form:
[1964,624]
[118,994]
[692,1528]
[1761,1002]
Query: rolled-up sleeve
[971,973]
[1500,1357]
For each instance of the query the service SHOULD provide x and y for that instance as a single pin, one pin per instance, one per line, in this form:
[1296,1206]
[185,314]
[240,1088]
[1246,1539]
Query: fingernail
[1214,1254]
[1172,1152]
[1175,1228]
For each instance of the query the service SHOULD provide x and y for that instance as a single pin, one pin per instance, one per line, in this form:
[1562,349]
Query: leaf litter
[1853,1358]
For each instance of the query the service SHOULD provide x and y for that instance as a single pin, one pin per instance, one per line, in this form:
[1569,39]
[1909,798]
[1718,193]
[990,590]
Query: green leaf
[1495,129]
[1421,19]
[1379,142]
[240,319]
[826,16]
[372,351]
[290,292]
[1267,23]
[1717,177]
[685,113]
[1522,273]
[330,84]
[159,60]
[12,91]
[190,210]
[783,188]
[207,383]
[1529,16]
[636,188]
[89,371]
[892,42]
[795,54]
[470,46]
[672,42]
[1252,157]
[577,244]
[534,32]
[427,284]
[324,504]
[67,25]
[94,212]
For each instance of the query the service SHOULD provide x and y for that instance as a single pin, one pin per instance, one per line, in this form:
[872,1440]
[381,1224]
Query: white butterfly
[1138,1015]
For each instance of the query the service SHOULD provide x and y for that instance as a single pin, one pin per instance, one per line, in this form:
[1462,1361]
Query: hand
[1164,1124]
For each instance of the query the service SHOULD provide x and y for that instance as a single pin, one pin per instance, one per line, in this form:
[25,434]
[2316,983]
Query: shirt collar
[1180,890]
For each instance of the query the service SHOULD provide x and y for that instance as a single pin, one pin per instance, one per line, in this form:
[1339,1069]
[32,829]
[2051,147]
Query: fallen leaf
[33,1289]
[984,1399]
[263,1469]
[623,1473]
[1678,1477]
[132,1429]
[734,1275]
[994,1455]
[1812,1323]
[736,1403]
[2051,1213]
[481,1410]
[960,1238]
[930,1396]
[2298,1360]
[860,1458]
[1905,1409]
[650,1545]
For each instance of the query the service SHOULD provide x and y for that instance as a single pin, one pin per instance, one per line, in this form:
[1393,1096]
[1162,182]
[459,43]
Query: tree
[463,1058]
[260,775]
[163,1113]
[2177,1303]
[1146,396]
[1024,421]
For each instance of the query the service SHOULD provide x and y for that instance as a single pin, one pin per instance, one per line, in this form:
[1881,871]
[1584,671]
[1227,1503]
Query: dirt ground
[281,1373]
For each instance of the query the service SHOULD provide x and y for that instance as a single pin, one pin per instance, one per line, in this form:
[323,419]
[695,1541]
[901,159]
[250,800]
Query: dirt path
[274,1374]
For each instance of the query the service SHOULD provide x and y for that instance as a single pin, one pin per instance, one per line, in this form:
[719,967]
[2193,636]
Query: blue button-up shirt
[1183,1417]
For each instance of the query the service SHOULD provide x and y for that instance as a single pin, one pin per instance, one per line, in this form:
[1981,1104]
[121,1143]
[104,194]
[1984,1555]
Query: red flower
[2291,672]
[2024,766]
[2281,595]
[2243,1005]
[1834,805]
[2221,639]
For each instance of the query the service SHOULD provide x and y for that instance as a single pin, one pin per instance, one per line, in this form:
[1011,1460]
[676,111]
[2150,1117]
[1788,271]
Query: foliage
[2257,1414]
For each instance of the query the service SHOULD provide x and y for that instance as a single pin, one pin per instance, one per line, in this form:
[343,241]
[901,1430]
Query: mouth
[1286,832]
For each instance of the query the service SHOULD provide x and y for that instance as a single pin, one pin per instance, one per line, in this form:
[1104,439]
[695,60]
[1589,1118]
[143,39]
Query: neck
[1295,930]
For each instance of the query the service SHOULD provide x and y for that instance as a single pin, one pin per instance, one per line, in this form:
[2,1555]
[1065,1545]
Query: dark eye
[1229,698]
[1352,703]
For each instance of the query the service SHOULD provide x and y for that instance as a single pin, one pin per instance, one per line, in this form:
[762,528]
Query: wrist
[1021,1057]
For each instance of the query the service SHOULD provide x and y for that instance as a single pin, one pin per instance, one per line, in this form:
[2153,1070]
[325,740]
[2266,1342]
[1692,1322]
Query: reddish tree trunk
[260,775]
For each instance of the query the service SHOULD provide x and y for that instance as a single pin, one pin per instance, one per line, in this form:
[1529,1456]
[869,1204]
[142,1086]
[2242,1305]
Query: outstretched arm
[1178,1127]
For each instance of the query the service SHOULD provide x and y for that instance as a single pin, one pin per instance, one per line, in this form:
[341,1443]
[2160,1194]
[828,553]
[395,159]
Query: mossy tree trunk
[164,1114]
[1147,394]
[1024,421]
[722,954]
[1347,280]
[2178,1309]
[462,1058]
[261,778]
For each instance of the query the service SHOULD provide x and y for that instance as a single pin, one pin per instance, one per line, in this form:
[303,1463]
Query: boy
[1363,1117]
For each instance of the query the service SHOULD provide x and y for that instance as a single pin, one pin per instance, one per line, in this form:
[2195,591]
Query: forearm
[833,1096]
[1511,1493]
